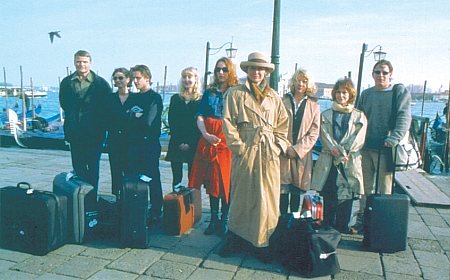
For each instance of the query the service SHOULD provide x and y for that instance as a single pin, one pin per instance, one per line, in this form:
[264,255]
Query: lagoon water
[50,105]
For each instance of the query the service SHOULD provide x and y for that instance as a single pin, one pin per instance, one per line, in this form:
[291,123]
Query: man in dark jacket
[82,96]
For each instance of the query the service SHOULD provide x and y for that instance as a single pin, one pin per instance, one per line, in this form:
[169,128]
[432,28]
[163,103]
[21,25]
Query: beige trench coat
[350,145]
[256,134]
[298,171]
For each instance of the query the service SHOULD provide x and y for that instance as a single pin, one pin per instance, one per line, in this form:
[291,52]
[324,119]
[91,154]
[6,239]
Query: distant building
[324,90]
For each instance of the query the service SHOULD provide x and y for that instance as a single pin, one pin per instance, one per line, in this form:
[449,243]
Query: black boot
[214,224]
[223,229]
[294,203]
[284,202]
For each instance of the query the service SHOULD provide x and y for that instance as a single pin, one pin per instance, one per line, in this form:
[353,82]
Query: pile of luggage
[37,222]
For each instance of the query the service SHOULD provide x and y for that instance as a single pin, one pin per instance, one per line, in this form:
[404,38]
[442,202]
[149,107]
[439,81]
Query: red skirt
[212,164]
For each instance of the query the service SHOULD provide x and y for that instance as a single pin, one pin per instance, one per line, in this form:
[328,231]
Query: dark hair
[346,84]
[82,53]
[124,71]
[232,76]
[145,71]
[383,62]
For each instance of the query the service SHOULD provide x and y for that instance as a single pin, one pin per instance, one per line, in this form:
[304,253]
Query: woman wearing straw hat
[256,127]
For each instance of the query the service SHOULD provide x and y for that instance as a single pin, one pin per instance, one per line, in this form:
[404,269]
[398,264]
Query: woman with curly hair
[304,124]
[184,133]
[212,161]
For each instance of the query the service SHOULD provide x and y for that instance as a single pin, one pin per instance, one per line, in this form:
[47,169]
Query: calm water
[50,105]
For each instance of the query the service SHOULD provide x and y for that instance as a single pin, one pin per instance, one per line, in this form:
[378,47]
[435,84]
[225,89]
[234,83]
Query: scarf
[261,91]
[343,109]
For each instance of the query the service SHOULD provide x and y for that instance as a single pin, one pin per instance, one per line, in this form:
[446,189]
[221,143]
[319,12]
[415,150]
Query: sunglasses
[378,72]
[217,69]
[120,78]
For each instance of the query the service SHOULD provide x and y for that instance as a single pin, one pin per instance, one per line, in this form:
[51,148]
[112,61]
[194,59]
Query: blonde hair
[196,91]
[302,73]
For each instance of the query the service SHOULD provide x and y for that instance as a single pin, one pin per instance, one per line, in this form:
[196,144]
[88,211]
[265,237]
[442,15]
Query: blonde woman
[184,133]
[304,124]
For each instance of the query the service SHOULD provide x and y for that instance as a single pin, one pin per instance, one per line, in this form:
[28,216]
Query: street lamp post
[378,55]
[231,53]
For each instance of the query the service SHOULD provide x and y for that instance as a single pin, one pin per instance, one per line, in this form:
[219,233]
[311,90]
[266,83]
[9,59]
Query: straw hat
[257,59]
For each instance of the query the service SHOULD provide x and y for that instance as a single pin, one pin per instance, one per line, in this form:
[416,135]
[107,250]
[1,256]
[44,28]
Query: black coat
[183,129]
[85,118]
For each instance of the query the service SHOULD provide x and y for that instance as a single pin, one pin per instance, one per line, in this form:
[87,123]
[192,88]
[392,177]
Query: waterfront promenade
[192,256]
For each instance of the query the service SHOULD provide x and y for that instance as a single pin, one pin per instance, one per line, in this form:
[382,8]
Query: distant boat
[16,91]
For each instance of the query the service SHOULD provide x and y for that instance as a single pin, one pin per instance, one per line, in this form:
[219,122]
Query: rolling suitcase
[32,221]
[386,220]
[82,216]
[178,212]
[133,204]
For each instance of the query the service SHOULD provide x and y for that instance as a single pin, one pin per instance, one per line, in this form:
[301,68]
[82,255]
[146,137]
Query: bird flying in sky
[53,34]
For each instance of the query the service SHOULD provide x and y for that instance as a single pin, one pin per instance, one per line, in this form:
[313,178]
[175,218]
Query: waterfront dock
[192,256]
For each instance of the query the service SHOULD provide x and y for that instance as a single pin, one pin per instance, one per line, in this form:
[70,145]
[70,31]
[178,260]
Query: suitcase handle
[26,184]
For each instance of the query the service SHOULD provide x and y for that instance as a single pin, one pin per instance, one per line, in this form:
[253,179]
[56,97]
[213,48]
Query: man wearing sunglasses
[83,96]
[376,103]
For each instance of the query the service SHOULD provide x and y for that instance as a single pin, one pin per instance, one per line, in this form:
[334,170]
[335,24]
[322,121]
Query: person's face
[382,76]
[120,80]
[221,72]
[301,85]
[82,65]
[188,79]
[342,96]
[256,74]
[140,81]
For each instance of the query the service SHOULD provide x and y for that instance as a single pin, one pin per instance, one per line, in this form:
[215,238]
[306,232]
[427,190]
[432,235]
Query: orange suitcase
[178,213]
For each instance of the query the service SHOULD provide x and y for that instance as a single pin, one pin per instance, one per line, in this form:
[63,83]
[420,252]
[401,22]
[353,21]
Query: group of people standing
[249,148]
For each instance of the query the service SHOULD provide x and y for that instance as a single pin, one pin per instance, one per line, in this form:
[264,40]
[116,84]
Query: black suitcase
[386,220]
[32,221]
[133,200]
[82,216]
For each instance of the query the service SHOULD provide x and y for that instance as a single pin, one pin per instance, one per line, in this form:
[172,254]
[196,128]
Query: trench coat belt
[264,139]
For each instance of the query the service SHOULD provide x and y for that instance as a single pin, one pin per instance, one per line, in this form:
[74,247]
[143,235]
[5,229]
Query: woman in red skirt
[212,160]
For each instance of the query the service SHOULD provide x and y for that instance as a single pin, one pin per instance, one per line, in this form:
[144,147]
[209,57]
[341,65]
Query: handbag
[406,154]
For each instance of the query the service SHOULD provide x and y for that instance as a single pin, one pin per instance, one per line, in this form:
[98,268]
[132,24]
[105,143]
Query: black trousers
[177,171]
[117,151]
[336,213]
[86,160]
[143,159]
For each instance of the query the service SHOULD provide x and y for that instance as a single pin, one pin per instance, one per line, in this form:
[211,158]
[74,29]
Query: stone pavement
[192,256]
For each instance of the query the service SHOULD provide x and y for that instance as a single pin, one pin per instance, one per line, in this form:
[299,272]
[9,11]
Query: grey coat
[350,145]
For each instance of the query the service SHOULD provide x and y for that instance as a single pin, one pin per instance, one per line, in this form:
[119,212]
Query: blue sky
[322,36]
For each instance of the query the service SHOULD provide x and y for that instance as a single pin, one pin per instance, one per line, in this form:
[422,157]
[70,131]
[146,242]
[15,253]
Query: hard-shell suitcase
[32,221]
[386,220]
[178,212]
[195,198]
[81,211]
[133,204]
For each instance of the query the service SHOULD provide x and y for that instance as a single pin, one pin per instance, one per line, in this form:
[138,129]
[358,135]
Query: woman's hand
[212,139]
[335,152]
[291,153]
